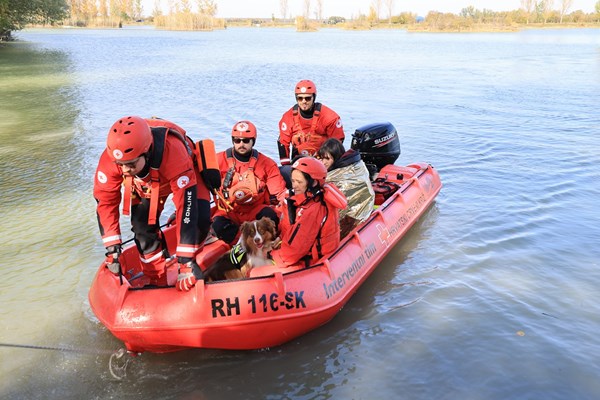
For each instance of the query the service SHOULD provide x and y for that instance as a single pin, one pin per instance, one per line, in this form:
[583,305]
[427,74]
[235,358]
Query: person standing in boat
[151,162]
[305,126]
[309,226]
[251,184]
[348,172]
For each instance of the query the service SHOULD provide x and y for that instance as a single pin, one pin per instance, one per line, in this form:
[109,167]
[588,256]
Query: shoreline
[410,28]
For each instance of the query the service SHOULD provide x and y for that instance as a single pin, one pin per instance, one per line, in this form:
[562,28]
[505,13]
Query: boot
[153,266]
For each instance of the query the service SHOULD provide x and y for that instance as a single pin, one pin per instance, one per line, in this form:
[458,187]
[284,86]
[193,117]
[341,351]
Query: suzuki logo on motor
[385,138]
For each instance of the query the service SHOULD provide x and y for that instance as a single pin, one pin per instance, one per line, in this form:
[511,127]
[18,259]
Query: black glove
[112,258]
[212,178]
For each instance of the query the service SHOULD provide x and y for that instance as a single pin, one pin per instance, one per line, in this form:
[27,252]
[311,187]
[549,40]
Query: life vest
[328,236]
[306,143]
[242,188]
[203,155]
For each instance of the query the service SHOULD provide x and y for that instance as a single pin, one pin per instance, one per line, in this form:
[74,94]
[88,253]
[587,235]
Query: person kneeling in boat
[152,159]
[251,184]
[348,172]
[309,227]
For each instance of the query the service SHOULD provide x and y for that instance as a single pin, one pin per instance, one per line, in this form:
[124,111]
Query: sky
[351,8]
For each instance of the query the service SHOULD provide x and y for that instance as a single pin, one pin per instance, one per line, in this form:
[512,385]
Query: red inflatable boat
[276,304]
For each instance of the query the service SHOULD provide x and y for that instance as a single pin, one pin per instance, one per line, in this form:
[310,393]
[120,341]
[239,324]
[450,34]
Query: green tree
[15,14]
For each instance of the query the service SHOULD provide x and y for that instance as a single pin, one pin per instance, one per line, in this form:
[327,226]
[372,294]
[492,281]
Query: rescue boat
[276,303]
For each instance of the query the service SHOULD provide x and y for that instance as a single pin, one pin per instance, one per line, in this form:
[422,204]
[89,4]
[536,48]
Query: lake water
[493,294]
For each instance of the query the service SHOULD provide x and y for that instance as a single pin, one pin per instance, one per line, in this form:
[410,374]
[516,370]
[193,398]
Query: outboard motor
[378,145]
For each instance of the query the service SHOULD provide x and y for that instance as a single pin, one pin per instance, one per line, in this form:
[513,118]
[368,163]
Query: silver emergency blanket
[353,181]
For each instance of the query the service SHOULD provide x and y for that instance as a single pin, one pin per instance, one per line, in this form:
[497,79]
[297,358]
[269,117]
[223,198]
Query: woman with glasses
[305,126]
[349,173]
[251,184]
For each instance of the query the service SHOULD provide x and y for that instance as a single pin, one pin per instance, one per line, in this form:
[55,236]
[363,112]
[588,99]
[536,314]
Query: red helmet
[312,167]
[306,87]
[244,129]
[128,138]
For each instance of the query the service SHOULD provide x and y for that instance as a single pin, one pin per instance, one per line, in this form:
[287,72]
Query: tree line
[200,15]
[16,14]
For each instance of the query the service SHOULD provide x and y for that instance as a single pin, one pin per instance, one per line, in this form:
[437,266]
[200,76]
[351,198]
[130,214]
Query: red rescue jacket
[175,173]
[251,185]
[313,231]
[307,135]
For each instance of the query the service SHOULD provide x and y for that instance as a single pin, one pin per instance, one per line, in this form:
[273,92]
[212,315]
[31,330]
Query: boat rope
[115,368]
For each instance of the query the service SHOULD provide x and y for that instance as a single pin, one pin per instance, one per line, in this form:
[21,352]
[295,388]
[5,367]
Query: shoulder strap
[127,182]
[253,159]
[231,158]
[229,155]
[314,120]
[318,241]
[160,137]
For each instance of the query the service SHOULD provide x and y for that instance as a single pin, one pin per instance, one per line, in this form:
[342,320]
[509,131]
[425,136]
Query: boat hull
[276,304]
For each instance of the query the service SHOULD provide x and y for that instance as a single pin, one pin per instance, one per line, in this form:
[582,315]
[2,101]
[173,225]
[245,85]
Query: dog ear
[244,227]
[271,223]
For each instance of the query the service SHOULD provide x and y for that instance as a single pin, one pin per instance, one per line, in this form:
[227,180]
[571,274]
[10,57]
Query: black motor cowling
[378,145]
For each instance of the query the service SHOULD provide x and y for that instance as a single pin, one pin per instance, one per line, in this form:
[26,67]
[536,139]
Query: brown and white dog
[257,239]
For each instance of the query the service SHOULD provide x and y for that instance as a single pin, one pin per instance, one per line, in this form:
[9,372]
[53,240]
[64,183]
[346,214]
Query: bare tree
[157,9]
[376,4]
[283,8]
[528,6]
[319,11]
[389,4]
[207,7]
[306,13]
[116,8]
[186,7]
[564,8]
[103,9]
[137,9]
[546,7]
[173,6]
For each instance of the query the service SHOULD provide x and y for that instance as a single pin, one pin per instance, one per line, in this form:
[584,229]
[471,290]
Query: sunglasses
[304,98]
[131,164]
[244,140]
